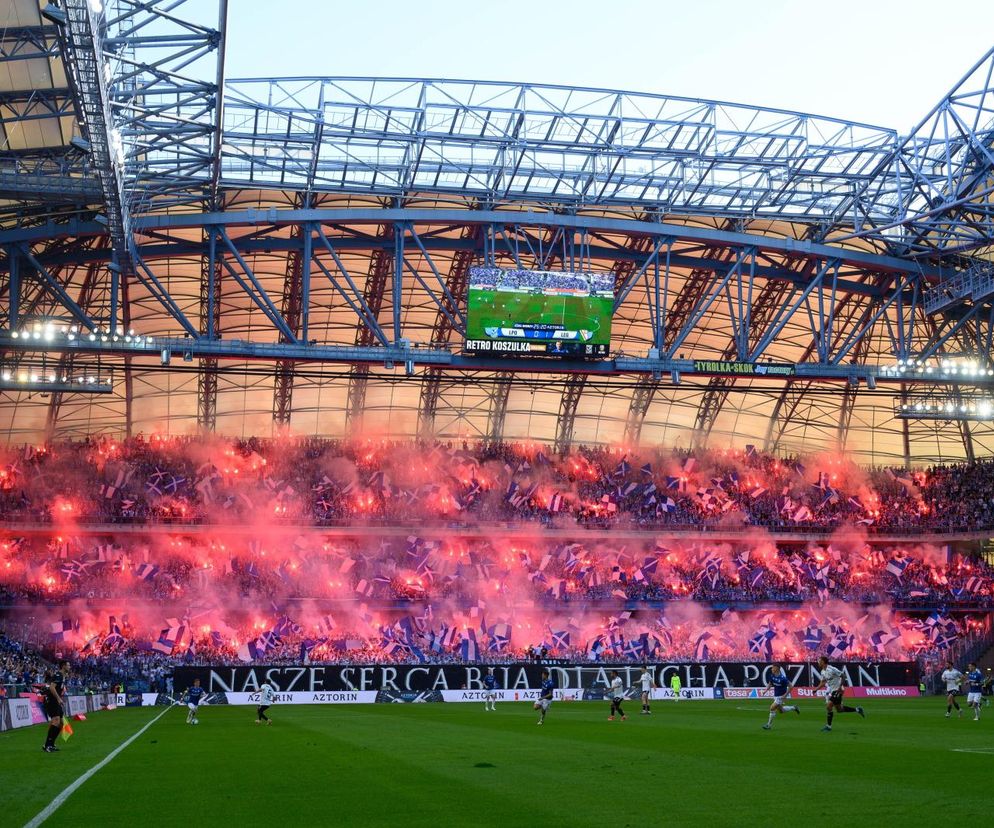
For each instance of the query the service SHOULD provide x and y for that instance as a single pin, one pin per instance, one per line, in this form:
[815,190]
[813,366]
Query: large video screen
[539,312]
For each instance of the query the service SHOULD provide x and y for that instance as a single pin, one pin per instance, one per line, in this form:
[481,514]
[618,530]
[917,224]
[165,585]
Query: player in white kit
[267,695]
[646,683]
[953,678]
[616,692]
[832,679]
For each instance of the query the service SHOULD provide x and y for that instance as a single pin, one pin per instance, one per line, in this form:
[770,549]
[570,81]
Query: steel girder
[572,391]
[675,319]
[153,131]
[291,308]
[431,387]
[81,39]
[935,194]
[849,394]
[211,266]
[381,265]
[571,147]
[500,391]
[66,361]
[767,302]
[850,314]
[755,318]
[39,175]
[164,227]
[850,273]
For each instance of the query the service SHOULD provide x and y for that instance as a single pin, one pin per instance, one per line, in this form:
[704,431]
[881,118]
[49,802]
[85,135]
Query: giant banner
[400,679]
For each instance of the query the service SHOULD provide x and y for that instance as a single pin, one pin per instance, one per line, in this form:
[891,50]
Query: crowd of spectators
[398,570]
[495,278]
[416,505]
[327,483]
[24,667]
[634,637]
[19,665]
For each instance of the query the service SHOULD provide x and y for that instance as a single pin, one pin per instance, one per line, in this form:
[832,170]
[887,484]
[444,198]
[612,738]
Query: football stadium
[421,451]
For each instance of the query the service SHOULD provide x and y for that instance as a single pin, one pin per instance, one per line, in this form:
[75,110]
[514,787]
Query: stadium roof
[734,233]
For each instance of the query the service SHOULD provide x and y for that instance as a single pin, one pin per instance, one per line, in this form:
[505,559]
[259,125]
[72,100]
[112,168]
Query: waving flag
[897,565]
[839,644]
[701,650]
[469,650]
[500,637]
[762,642]
[251,650]
[146,571]
[168,639]
[881,638]
[73,569]
[812,637]
[61,629]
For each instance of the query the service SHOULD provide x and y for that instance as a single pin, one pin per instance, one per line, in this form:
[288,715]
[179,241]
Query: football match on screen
[443,414]
[525,311]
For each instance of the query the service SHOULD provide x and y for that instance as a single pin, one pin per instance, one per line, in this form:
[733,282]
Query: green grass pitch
[454,764]
[488,308]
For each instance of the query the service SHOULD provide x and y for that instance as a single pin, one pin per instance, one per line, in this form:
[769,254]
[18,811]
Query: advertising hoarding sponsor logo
[333,697]
[758,369]
[20,712]
[890,691]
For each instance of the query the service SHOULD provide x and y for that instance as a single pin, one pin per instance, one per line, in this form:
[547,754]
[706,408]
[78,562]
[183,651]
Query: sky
[881,62]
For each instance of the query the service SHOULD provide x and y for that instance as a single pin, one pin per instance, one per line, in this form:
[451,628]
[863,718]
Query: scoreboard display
[542,312]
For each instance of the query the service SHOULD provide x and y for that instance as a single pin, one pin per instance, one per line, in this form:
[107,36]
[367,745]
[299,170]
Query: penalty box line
[56,803]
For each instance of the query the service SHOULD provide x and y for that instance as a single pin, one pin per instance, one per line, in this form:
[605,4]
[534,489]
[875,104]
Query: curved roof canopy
[140,189]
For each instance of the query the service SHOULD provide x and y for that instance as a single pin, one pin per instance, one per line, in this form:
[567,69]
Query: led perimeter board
[551,313]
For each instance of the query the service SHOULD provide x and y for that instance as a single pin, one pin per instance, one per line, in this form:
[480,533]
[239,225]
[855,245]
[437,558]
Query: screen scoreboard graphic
[550,313]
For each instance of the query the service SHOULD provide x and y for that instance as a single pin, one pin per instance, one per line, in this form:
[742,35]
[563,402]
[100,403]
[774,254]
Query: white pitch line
[988,751]
[56,803]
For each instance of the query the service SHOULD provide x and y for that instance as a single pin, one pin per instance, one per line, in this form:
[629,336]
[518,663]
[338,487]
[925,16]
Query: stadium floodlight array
[944,407]
[50,332]
[967,368]
[81,381]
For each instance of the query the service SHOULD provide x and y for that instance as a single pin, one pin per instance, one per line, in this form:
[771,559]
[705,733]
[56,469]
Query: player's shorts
[676,689]
[617,699]
[491,694]
[835,697]
[781,700]
[645,691]
[544,703]
[953,692]
[53,709]
[973,698]
[194,706]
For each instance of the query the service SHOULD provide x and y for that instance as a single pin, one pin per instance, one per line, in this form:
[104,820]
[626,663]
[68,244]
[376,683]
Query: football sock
[53,733]
[831,715]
